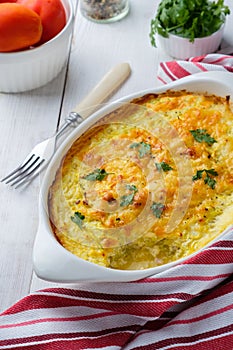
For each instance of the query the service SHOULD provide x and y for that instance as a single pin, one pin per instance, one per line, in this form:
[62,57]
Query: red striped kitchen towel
[173,70]
[187,307]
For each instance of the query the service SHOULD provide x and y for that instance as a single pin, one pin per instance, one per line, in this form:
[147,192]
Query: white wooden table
[27,118]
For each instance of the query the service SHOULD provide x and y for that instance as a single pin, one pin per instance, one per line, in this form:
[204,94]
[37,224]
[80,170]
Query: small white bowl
[29,69]
[181,48]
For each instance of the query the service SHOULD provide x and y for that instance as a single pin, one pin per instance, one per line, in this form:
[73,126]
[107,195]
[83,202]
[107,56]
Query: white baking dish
[53,262]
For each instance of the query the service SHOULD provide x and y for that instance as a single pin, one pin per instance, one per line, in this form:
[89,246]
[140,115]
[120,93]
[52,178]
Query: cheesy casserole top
[150,183]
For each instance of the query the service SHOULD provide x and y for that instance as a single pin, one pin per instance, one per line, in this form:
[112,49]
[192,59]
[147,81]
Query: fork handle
[107,85]
[110,82]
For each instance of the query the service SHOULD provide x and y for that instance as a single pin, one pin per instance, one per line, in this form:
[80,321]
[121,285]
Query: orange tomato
[20,27]
[52,14]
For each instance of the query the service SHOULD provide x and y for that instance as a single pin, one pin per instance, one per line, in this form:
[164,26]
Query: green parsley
[128,198]
[131,188]
[200,135]
[157,209]
[78,219]
[163,166]
[208,179]
[143,148]
[96,175]
[188,18]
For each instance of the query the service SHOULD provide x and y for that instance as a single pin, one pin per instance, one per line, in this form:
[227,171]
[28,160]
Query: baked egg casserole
[150,183]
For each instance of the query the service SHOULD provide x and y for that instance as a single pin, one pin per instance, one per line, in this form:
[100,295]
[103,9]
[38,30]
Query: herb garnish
[163,166]
[157,209]
[208,180]
[97,174]
[200,135]
[143,148]
[128,198]
[188,18]
[78,219]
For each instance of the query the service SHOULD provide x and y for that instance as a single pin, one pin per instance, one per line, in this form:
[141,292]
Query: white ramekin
[26,70]
[181,48]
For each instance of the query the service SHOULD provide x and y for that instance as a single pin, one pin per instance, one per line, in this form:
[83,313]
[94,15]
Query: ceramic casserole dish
[57,256]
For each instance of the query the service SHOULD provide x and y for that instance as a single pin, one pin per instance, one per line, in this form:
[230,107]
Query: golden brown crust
[162,193]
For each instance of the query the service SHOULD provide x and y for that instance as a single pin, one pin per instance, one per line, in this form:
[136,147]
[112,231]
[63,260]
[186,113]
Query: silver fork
[39,157]
[41,154]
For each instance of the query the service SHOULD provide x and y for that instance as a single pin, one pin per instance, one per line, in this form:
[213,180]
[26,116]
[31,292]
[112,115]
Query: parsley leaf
[97,174]
[188,18]
[132,188]
[78,219]
[143,148]
[200,135]
[208,180]
[198,175]
[157,209]
[211,172]
[163,166]
[128,198]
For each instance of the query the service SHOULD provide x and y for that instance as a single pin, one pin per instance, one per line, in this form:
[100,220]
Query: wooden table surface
[29,117]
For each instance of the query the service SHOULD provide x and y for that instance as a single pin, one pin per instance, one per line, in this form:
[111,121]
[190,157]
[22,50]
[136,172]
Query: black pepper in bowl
[101,10]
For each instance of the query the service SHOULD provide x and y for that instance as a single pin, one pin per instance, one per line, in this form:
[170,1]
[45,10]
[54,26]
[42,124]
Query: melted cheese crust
[163,194]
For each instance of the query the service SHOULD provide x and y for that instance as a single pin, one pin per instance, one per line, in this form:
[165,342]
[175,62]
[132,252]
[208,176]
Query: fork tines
[21,175]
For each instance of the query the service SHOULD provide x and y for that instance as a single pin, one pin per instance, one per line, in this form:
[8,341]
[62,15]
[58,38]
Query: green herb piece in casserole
[96,175]
[143,148]
[157,209]
[78,219]
[128,198]
[208,179]
[200,135]
[163,166]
